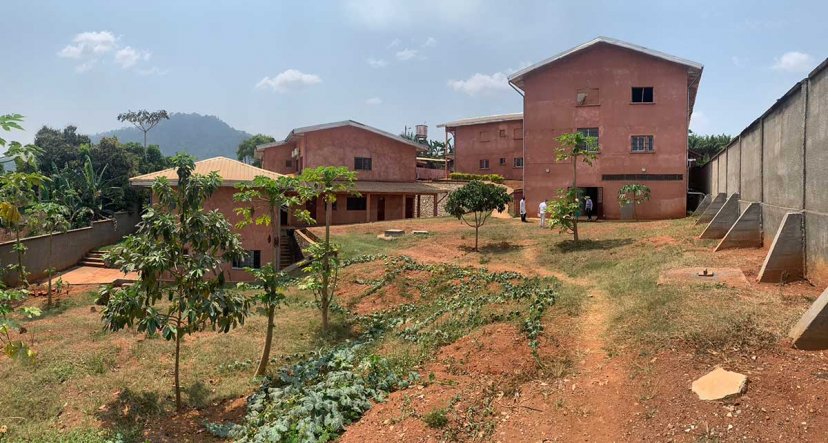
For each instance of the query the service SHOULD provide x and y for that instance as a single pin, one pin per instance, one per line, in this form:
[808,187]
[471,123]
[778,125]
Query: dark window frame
[253,257]
[502,161]
[486,160]
[356,204]
[642,96]
[515,163]
[646,150]
[360,163]
[587,132]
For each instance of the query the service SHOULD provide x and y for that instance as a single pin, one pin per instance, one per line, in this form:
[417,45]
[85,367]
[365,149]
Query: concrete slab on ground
[811,331]
[89,275]
[729,276]
[719,384]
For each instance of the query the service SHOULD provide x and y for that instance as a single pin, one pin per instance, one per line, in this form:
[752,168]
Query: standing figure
[523,209]
[542,213]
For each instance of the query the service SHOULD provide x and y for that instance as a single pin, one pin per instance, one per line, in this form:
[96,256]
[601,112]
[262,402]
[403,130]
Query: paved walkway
[89,275]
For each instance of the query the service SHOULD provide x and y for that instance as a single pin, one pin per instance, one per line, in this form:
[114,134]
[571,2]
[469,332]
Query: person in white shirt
[542,213]
[588,208]
[523,209]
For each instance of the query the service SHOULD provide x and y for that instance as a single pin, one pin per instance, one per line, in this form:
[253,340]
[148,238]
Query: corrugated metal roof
[517,78]
[231,172]
[355,124]
[482,120]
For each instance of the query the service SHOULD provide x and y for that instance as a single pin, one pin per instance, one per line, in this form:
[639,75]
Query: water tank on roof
[421,132]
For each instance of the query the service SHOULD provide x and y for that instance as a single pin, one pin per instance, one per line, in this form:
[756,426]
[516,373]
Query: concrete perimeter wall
[67,248]
[781,161]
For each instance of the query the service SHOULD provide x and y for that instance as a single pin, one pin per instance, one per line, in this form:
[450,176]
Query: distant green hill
[203,136]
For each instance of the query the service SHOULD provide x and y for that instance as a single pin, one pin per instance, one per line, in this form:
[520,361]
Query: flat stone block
[811,331]
[394,233]
[719,384]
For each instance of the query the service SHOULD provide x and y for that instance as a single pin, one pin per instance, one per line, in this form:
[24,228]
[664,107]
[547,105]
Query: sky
[270,66]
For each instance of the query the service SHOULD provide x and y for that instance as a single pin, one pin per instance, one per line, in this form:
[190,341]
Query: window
[362,163]
[518,133]
[590,132]
[251,259]
[288,163]
[642,143]
[333,206]
[484,136]
[484,164]
[587,97]
[502,161]
[357,203]
[518,162]
[503,133]
[642,95]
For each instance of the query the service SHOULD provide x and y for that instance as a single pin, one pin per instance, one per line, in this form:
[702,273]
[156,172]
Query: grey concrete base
[712,209]
[746,232]
[724,219]
[785,260]
[702,205]
[811,331]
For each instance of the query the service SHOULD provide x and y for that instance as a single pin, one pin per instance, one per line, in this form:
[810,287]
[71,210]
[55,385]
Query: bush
[436,419]
[494,178]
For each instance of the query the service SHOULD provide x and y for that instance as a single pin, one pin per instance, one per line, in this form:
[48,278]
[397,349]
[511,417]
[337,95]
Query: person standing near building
[588,208]
[523,209]
[542,213]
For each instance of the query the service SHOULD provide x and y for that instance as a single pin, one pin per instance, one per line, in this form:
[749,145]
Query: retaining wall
[67,248]
[781,161]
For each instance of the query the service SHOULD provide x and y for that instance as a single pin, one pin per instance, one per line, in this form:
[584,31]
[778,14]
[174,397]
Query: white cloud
[373,101]
[794,61]
[127,57]
[431,41]
[377,63]
[288,80]
[406,54]
[479,84]
[394,43]
[89,48]
[155,70]
[89,44]
[738,61]
[699,122]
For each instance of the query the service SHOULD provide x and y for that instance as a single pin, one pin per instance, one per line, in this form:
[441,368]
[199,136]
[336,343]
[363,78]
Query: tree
[707,145]
[144,120]
[50,218]
[61,148]
[12,345]
[572,146]
[18,189]
[247,149]
[434,148]
[474,203]
[277,194]
[634,194]
[326,182]
[187,245]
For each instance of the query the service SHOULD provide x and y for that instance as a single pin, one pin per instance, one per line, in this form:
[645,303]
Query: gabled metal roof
[482,120]
[355,124]
[517,78]
[231,172]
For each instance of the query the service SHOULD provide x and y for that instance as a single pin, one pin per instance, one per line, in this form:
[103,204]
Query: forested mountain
[202,136]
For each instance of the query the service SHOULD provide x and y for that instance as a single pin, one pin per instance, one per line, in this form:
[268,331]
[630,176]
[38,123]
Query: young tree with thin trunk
[50,218]
[144,120]
[275,195]
[187,245]
[571,146]
[474,203]
[325,182]
[633,194]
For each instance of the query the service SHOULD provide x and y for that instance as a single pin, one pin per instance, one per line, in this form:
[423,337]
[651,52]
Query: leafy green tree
[18,190]
[325,182]
[247,149]
[144,120]
[434,148]
[572,146]
[633,194]
[707,145]
[187,245]
[49,218]
[10,330]
[276,195]
[61,149]
[474,203]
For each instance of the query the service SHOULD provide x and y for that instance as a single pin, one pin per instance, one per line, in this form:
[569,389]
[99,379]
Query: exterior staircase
[93,258]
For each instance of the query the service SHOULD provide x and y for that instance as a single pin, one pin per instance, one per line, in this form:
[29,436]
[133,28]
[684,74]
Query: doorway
[409,207]
[283,216]
[381,209]
[597,197]
[310,206]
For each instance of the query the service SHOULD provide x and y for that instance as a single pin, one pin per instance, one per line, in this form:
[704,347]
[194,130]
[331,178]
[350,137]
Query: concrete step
[92,264]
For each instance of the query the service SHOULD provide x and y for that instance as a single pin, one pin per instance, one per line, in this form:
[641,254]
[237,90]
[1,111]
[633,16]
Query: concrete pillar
[811,331]
[712,209]
[702,205]
[746,232]
[785,260]
[724,219]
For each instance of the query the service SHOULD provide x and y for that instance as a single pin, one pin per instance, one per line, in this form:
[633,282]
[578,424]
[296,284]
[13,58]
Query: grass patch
[437,418]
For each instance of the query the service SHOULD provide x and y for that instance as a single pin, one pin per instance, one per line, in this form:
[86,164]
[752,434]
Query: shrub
[436,419]
[462,176]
